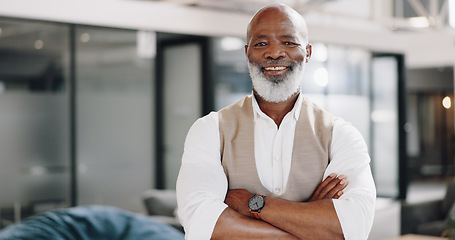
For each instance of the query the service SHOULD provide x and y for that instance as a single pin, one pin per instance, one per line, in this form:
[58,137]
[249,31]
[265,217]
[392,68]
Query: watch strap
[256,215]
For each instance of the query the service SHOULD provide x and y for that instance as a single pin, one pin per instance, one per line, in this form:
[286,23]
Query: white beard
[276,90]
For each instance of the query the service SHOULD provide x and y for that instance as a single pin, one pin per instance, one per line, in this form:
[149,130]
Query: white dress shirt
[202,184]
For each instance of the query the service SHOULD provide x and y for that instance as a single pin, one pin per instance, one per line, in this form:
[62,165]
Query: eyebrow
[288,36]
[260,37]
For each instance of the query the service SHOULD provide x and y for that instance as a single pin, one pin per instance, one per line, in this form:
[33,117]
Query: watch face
[256,203]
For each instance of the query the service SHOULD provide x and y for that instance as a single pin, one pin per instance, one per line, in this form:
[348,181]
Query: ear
[309,51]
[246,49]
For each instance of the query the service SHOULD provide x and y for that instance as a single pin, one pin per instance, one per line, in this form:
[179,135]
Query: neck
[276,111]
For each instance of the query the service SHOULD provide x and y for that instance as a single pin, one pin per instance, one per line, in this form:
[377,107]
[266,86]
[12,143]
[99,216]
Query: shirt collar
[295,110]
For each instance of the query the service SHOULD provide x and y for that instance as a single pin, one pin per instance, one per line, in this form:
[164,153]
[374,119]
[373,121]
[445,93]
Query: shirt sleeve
[201,184]
[349,157]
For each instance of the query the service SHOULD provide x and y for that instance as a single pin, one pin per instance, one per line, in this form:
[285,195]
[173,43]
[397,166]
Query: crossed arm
[282,219]
[208,210]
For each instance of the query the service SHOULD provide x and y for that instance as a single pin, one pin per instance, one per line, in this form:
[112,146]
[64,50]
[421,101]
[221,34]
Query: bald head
[279,13]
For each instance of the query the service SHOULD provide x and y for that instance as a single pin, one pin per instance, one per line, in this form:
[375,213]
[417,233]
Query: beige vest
[310,155]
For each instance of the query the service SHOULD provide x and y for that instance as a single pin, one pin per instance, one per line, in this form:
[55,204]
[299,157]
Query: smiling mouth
[275,68]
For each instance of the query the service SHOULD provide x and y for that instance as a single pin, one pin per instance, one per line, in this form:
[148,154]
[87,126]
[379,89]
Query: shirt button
[277,190]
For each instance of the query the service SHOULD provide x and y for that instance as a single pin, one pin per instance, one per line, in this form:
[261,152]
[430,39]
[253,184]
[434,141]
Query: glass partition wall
[430,125]
[34,118]
[114,115]
[76,117]
[385,125]
[337,79]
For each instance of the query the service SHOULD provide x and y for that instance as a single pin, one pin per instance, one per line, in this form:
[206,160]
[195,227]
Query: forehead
[277,21]
[263,30]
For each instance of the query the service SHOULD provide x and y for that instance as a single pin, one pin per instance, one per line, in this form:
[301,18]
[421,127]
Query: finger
[325,191]
[337,188]
[338,195]
[317,192]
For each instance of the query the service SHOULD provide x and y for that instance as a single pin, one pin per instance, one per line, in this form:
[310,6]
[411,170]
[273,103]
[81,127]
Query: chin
[275,89]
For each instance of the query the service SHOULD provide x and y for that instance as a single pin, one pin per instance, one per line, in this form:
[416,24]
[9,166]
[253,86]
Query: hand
[237,199]
[331,188]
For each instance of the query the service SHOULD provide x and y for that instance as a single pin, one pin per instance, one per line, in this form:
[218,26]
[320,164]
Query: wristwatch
[256,203]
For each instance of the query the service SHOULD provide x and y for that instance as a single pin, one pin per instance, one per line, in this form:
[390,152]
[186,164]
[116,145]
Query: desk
[417,237]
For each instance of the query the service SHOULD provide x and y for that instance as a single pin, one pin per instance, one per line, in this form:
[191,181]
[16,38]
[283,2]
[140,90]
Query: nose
[274,51]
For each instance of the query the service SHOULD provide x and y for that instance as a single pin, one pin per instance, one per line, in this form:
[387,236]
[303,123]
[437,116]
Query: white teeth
[275,68]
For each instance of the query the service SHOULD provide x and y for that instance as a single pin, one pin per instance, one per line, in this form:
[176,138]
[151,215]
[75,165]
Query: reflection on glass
[321,77]
[232,44]
[385,126]
[146,44]
[114,118]
[34,116]
[452,13]
[2,87]
[232,80]
[431,136]
[319,52]
[22,66]
[337,79]
[85,37]
[39,44]
[181,102]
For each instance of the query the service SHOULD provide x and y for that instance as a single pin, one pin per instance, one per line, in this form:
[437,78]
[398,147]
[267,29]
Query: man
[274,165]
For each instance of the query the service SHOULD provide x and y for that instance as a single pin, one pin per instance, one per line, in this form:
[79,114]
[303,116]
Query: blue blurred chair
[88,223]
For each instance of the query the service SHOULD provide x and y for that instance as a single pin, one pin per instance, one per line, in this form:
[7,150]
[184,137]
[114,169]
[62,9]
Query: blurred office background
[96,97]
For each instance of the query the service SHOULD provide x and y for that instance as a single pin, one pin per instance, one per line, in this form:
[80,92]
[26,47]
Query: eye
[291,44]
[260,44]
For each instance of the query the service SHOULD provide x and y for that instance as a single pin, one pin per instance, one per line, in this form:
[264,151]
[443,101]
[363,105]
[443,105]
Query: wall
[352,23]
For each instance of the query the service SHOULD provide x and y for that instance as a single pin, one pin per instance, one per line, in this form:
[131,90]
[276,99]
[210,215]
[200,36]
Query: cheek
[297,55]
[253,56]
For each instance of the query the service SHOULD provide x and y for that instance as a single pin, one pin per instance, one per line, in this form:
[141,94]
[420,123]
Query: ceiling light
[85,37]
[447,102]
[419,22]
[39,44]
